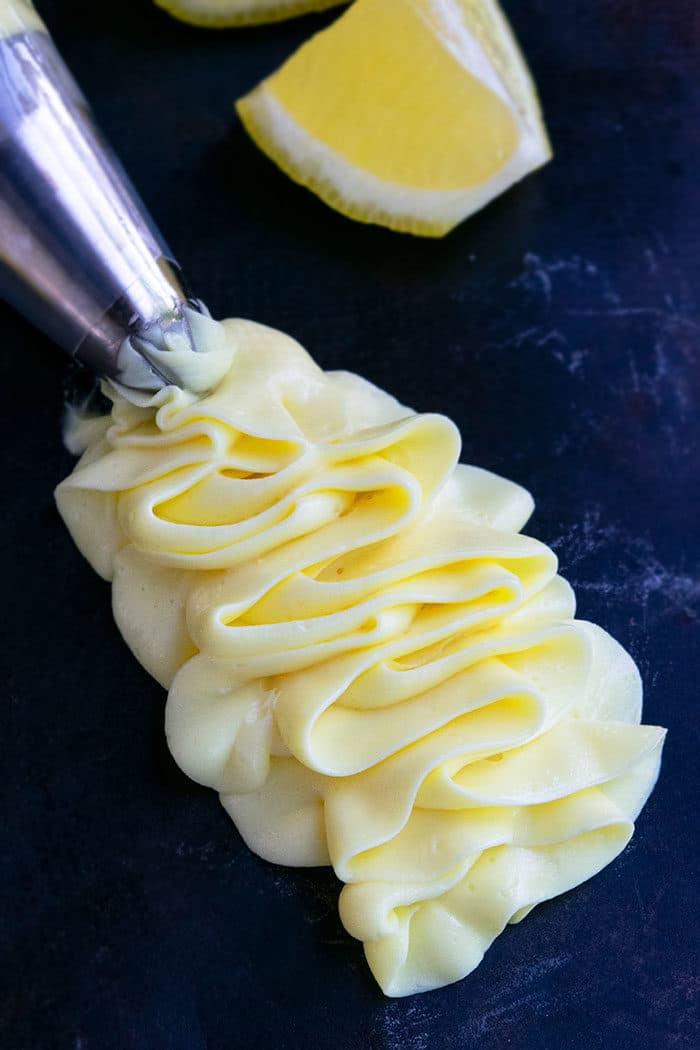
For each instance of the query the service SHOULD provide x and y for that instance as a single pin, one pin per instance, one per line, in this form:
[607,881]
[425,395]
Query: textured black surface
[561,330]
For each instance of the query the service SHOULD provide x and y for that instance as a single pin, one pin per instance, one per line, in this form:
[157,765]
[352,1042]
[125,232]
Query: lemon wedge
[218,14]
[408,113]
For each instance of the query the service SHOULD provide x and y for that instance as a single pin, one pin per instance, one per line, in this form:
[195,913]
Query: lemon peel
[223,14]
[412,114]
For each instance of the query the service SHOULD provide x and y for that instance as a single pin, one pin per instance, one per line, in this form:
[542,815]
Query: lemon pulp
[397,102]
[408,113]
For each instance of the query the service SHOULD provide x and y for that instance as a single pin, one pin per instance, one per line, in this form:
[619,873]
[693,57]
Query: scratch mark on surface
[537,273]
[547,339]
[638,895]
[635,311]
[642,576]
[650,258]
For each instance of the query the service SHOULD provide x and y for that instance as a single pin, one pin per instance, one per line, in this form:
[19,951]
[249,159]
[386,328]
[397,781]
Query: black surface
[561,330]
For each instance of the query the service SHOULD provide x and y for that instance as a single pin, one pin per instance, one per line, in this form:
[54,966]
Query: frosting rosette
[363,654]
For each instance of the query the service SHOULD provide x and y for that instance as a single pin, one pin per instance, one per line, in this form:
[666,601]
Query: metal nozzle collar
[79,255]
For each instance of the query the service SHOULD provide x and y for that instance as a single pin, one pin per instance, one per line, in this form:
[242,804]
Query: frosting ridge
[364,655]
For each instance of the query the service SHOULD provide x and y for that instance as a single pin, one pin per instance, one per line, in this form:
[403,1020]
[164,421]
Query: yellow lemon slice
[408,113]
[218,14]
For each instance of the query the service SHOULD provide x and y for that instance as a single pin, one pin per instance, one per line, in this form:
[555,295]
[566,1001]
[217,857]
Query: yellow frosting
[363,654]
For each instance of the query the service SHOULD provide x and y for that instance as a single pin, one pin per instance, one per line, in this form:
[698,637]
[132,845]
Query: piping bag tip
[80,256]
[183,347]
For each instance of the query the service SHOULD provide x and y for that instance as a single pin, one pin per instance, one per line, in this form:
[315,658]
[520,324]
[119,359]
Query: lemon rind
[255,13]
[364,197]
[492,29]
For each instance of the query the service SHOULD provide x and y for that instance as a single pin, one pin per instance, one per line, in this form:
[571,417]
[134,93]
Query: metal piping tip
[79,255]
[148,349]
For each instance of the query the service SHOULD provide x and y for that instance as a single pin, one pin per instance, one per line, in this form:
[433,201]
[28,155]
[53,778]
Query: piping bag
[79,255]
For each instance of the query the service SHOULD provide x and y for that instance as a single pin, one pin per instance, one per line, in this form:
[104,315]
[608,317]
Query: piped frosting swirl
[364,655]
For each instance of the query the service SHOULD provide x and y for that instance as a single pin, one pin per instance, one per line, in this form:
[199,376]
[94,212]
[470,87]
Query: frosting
[364,655]
[192,350]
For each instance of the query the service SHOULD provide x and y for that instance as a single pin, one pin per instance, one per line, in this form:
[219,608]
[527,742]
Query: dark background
[560,329]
